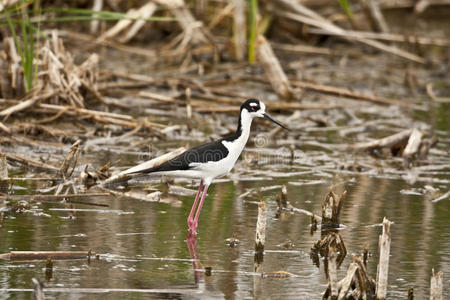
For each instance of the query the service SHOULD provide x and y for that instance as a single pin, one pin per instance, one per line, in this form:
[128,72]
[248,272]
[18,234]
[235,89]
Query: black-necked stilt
[214,159]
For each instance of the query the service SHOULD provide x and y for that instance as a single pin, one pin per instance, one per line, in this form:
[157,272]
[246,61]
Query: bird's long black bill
[275,121]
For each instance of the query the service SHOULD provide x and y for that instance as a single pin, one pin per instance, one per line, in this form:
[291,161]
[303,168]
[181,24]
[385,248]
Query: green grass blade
[346,7]
[253,29]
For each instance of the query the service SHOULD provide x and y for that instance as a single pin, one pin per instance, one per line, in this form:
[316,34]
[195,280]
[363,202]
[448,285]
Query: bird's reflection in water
[191,241]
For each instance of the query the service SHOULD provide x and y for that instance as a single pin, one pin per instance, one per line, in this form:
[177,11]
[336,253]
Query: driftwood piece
[274,71]
[436,285]
[383,265]
[45,255]
[399,138]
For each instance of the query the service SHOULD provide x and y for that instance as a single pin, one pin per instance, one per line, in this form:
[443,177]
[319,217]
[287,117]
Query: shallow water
[142,248]
[142,245]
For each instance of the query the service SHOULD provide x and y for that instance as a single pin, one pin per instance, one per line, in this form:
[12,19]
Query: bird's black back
[208,152]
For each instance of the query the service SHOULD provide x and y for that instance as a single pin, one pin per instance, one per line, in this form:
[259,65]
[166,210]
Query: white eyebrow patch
[253,104]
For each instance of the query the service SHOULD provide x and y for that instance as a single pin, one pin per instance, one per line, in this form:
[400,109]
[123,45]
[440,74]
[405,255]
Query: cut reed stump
[260,236]
[436,285]
[384,245]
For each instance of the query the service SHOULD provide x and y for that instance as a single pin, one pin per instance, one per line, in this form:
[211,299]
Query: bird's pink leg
[190,219]
[197,214]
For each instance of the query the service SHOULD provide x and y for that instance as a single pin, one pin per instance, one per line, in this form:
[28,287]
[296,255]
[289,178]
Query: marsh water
[141,247]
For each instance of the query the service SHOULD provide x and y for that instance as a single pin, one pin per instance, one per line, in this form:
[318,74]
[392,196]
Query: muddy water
[142,245]
[142,248]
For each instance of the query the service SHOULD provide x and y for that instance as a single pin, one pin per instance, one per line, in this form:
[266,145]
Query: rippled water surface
[141,247]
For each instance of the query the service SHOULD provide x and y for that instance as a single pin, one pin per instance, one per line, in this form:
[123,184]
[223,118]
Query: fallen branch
[45,255]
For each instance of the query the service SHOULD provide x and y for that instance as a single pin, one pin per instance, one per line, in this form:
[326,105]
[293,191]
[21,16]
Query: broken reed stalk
[188,108]
[331,209]
[436,285]
[38,289]
[239,32]
[383,265]
[71,159]
[260,236]
[412,147]
[272,67]
[3,167]
[282,200]
[375,15]
[45,255]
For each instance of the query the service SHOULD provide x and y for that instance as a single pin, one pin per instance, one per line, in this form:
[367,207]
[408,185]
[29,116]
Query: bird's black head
[253,106]
[256,109]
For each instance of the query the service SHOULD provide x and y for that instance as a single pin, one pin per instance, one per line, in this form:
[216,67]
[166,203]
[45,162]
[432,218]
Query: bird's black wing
[212,151]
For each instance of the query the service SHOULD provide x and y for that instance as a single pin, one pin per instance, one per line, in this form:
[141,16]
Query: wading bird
[212,160]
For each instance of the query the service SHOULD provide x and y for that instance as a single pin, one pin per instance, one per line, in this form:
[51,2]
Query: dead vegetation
[315,65]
